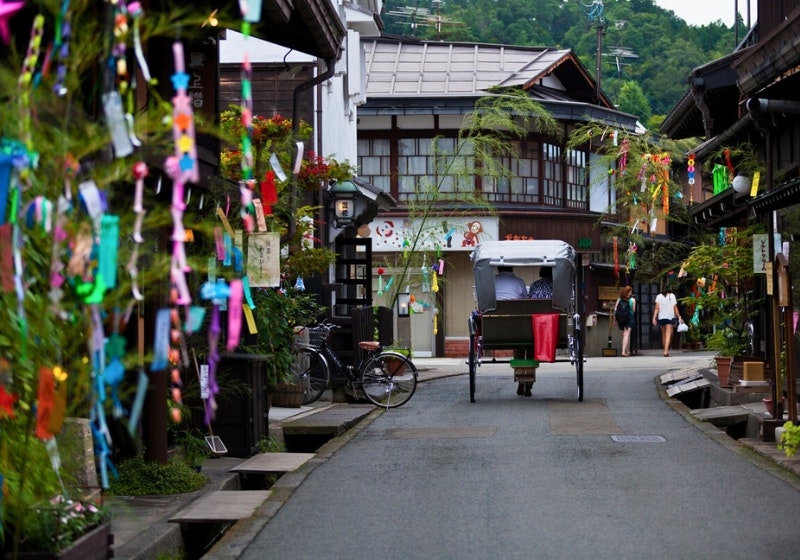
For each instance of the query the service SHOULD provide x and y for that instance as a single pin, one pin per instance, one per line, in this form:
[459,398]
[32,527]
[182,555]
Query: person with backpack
[624,310]
[666,316]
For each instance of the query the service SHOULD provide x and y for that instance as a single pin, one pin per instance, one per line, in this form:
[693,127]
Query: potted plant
[722,272]
[61,527]
[278,315]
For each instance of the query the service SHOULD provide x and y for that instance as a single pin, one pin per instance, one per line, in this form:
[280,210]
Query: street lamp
[344,202]
[403,302]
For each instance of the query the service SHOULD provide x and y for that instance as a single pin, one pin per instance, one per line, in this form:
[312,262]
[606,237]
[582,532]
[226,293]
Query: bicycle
[384,377]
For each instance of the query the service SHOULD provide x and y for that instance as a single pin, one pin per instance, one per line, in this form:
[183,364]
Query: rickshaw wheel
[473,365]
[578,354]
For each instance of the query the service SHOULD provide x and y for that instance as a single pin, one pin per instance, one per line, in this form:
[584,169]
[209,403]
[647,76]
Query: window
[551,158]
[374,162]
[522,181]
[577,191]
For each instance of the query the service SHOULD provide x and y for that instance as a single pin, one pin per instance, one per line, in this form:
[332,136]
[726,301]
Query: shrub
[138,477]
[790,439]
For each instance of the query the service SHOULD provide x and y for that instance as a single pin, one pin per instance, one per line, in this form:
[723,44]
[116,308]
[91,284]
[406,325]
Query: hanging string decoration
[690,169]
[380,272]
[633,248]
[616,257]
[623,156]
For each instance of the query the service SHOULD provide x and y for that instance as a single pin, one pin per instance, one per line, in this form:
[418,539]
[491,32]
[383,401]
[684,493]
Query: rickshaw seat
[508,326]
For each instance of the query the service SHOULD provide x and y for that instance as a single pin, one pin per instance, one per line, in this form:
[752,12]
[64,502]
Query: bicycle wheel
[310,368]
[389,379]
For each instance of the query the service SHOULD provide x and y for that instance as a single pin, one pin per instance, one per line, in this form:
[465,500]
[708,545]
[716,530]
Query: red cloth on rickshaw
[545,336]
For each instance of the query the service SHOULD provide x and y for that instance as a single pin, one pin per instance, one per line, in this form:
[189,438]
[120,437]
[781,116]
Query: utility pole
[595,13]
[598,70]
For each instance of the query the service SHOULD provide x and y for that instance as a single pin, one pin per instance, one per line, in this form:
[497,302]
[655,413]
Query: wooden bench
[222,506]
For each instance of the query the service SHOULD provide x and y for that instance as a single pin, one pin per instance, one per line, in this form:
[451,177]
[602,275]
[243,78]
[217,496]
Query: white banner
[761,251]
[458,233]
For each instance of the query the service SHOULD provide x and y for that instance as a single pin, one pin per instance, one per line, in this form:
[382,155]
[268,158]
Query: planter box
[94,545]
[287,395]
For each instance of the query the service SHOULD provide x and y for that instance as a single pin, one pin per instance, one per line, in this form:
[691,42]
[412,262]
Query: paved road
[538,478]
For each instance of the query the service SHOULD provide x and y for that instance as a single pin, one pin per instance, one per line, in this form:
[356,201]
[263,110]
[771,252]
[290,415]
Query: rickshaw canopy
[523,253]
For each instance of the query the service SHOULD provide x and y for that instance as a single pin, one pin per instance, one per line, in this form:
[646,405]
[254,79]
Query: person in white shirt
[664,315]
[508,285]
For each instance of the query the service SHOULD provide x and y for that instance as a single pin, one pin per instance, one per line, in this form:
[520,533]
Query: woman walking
[624,310]
[664,315]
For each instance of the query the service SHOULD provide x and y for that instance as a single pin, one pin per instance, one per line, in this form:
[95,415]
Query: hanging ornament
[269,193]
[623,156]
[616,257]
[720,177]
[380,272]
[299,285]
[632,250]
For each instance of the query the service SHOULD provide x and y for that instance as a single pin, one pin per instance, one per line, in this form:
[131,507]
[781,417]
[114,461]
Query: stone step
[333,421]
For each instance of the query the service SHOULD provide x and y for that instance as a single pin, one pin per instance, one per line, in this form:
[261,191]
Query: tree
[78,226]
[632,100]
[647,196]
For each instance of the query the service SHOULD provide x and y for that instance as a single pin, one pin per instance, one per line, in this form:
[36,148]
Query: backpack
[623,312]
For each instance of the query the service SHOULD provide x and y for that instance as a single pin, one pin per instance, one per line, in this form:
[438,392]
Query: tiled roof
[429,69]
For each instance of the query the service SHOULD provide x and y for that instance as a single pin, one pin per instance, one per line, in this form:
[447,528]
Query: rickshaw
[539,326]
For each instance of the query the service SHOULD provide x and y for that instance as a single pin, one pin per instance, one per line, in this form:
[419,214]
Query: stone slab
[222,505]
[273,463]
[722,415]
[334,420]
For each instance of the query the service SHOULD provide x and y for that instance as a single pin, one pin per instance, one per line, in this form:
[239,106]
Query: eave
[310,26]
[722,210]
[777,53]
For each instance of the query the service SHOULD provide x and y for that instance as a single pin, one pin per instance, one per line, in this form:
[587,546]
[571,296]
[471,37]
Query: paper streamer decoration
[183,120]
[25,82]
[109,249]
[234,315]
[45,403]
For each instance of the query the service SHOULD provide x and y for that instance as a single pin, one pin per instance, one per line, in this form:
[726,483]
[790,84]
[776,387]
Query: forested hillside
[647,52]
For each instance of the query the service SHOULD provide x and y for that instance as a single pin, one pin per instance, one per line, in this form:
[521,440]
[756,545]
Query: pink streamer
[235,314]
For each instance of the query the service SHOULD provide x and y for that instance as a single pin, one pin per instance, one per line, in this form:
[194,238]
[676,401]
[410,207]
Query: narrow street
[541,477]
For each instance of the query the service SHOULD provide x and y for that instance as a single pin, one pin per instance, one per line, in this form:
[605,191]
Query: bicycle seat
[369,345]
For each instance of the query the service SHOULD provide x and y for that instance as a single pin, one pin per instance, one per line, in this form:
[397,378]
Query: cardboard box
[753,371]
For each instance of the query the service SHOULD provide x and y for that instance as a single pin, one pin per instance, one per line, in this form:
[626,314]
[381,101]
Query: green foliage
[790,439]
[138,477]
[723,273]
[277,316]
[654,158]
[193,447]
[61,139]
[270,445]
[632,100]
[659,39]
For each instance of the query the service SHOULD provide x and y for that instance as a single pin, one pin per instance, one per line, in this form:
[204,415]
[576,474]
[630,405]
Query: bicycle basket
[316,335]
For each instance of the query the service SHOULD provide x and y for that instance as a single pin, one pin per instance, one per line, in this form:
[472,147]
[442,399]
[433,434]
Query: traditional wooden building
[418,91]
[750,97]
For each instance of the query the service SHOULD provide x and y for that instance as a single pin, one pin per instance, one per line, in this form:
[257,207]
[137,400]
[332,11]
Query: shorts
[665,322]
